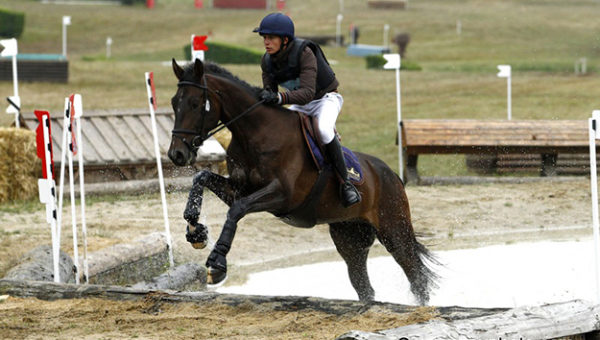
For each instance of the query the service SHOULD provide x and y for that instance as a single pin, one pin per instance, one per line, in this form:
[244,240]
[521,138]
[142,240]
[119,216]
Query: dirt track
[448,217]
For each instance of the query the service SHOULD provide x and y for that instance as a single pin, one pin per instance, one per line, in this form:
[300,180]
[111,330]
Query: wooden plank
[57,132]
[162,135]
[122,129]
[98,143]
[532,322]
[90,154]
[147,150]
[113,140]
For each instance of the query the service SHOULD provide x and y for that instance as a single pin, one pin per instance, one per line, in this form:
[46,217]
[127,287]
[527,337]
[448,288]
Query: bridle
[198,139]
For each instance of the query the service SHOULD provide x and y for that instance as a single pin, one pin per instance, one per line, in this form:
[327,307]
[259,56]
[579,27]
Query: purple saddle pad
[355,173]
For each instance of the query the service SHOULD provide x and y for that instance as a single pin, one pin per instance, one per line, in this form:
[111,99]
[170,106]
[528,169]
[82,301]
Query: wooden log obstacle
[574,319]
[141,262]
[549,146]
[566,319]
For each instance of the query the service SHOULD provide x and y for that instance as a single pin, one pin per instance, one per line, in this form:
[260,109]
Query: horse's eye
[194,103]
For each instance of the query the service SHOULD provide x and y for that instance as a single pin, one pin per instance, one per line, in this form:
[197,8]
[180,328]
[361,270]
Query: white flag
[10,47]
[504,71]
[66,20]
[393,61]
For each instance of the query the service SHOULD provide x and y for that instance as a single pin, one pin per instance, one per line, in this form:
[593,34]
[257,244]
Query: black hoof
[197,235]
[215,277]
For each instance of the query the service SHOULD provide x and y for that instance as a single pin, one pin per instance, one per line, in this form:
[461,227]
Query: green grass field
[540,38]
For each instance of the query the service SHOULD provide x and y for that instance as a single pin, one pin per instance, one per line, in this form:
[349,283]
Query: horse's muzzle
[181,157]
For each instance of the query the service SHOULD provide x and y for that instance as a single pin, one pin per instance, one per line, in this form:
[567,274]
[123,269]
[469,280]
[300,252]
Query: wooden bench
[547,138]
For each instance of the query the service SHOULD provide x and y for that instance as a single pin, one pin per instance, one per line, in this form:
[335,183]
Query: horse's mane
[219,71]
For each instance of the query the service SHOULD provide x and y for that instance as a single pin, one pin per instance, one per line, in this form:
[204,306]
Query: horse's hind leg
[353,241]
[397,236]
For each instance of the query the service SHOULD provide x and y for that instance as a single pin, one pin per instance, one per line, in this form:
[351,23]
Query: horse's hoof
[197,235]
[215,277]
[199,245]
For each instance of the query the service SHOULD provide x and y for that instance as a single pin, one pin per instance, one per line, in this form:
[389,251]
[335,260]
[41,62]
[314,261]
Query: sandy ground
[447,217]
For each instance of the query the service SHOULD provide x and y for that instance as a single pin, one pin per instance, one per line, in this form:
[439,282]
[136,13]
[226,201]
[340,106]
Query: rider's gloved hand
[270,97]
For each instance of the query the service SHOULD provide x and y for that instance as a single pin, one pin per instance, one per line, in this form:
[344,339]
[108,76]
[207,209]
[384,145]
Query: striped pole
[152,105]
[47,187]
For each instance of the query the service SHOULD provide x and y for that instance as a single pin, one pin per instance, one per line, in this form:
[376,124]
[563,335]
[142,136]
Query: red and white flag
[198,46]
[42,145]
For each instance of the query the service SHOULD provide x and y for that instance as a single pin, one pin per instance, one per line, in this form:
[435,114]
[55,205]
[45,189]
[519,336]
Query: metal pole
[509,95]
[81,190]
[386,32]
[64,40]
[594,187]
[72,194]
[338,30]
[16,88]
[399,111]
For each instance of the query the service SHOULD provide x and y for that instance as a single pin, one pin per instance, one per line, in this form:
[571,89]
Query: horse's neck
[261,125]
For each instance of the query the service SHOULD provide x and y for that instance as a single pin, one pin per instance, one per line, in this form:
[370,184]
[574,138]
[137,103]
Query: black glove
[269,97]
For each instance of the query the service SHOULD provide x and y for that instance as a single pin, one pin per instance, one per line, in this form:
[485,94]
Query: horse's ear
[198,68]
[177,69]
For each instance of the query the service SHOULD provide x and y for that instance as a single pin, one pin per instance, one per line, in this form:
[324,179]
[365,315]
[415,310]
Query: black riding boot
[348,193]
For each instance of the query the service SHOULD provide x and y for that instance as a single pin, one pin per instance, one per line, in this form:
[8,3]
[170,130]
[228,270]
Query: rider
[301,68]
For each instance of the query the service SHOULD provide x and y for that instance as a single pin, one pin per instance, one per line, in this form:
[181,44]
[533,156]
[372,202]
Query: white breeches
[325,111]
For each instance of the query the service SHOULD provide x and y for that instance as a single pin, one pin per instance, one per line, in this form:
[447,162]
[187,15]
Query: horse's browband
[191,83]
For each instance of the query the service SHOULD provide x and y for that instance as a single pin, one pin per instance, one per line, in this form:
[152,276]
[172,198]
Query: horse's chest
[244,178]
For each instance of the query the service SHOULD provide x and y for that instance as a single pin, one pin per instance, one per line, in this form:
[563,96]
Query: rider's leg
[326,115]
[348,193]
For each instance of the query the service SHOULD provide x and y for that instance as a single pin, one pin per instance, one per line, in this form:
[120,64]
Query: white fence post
[11,50]
[505,72]
[152,104]
[594,133]
[394,62]
[66,21]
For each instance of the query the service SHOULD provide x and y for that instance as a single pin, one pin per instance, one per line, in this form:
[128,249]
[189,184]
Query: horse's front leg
[197,233]
[267,198]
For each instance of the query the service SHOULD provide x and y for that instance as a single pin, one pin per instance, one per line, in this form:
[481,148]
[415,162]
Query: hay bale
[19,166]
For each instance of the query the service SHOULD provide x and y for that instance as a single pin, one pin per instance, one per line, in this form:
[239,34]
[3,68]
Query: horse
[270,170]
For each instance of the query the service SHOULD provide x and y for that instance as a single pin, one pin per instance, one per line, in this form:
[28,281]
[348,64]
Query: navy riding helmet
[276,24]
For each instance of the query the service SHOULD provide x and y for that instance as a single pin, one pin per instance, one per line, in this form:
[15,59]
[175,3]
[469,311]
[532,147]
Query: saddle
[304,215]
[316,151]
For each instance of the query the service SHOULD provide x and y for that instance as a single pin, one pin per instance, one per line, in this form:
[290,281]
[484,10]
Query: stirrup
[349,194]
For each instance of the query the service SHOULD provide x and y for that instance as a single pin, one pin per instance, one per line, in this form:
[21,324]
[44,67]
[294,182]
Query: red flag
[41,146]
[72,114]
[198,43]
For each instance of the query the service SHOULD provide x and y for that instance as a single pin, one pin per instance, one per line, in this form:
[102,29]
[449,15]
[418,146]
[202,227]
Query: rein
[198,139]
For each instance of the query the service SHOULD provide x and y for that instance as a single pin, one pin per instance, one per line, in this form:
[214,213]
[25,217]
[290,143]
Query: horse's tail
[428,261]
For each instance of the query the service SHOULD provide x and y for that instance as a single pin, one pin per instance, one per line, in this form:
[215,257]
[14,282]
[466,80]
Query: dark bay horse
[271,170]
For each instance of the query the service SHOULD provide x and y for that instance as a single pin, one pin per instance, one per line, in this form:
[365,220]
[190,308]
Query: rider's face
[272,43]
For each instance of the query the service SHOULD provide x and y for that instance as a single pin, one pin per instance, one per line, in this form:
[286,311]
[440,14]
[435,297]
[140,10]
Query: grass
[541,39]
